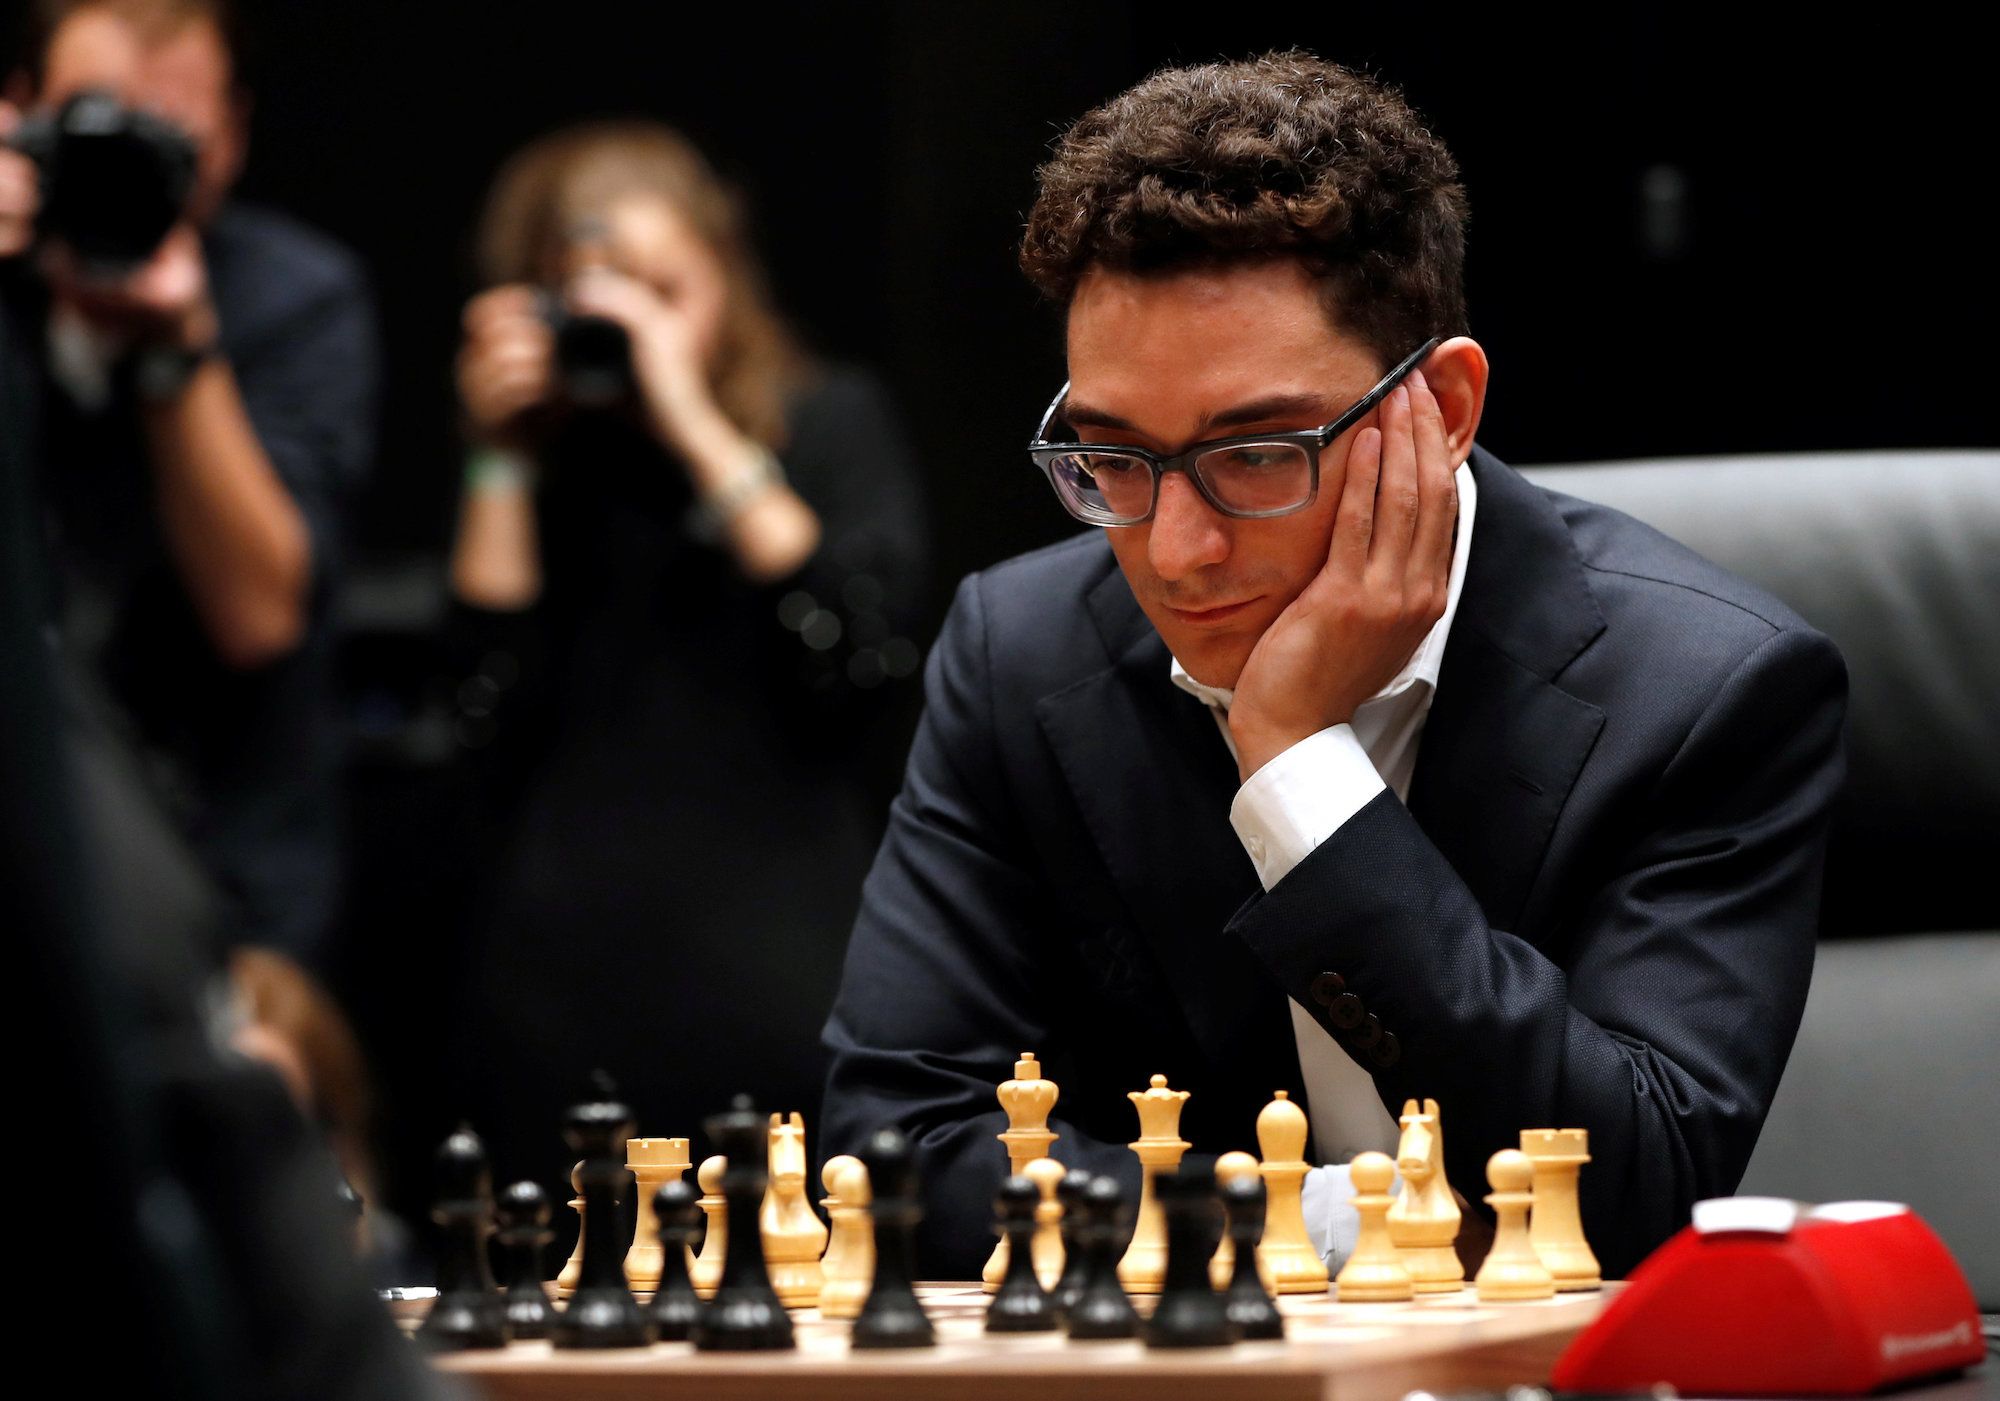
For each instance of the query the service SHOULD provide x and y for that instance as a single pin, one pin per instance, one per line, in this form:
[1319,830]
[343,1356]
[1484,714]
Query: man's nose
[1187,532]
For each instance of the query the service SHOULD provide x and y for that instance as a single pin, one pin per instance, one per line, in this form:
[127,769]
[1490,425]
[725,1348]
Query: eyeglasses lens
[1257,478]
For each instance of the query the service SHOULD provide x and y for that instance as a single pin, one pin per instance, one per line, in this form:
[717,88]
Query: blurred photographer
[689,558]
[205,390]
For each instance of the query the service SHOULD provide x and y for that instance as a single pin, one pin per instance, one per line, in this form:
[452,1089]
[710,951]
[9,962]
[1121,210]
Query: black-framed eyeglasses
[1253,477]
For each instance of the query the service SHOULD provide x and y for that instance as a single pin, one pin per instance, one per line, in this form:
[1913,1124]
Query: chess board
[1353,1352]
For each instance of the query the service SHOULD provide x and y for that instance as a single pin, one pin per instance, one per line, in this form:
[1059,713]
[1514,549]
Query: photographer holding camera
[204,396]
[689,561]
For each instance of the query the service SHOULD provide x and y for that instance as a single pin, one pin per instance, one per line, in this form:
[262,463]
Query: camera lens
[593,360]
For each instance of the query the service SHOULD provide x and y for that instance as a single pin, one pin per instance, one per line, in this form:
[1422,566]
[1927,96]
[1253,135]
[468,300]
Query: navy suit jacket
[1598,909]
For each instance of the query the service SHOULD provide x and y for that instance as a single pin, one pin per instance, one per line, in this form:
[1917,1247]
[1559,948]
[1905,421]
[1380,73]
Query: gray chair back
[1893,1089]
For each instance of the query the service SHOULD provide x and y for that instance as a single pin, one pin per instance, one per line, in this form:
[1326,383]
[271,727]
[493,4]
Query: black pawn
[1251,1308]
[523,1214]
[1069,1286]
[675,1305]
[602,1312]
[891,1316]
[1101,1309]
[744,1315]
[1021,1305]
[1190,1312]
[468,1312]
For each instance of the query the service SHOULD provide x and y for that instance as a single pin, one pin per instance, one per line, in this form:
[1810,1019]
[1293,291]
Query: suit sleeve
[1662,1023]
[944,984]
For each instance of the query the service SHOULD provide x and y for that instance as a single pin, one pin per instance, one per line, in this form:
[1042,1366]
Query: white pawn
[1047,1247]
[849,1265]
[1512,1269]
[1374,1273]
[1222,1264]
[572,1269]
[707,1271]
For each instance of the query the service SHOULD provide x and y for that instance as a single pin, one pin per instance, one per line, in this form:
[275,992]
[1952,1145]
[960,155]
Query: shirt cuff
[1301,798]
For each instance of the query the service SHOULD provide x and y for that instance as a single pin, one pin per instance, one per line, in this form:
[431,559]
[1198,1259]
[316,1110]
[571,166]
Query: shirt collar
[1424,663]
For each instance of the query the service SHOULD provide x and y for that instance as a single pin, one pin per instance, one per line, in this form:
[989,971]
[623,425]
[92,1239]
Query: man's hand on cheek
[1382,589]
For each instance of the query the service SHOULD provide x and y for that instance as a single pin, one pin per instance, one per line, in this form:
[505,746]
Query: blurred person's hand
[164,300]
[666,357]
[20,189]
[506,366]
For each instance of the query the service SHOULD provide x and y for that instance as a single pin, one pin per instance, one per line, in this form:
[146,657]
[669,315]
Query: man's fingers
[1396,495]
[1430,547]
[1354,523]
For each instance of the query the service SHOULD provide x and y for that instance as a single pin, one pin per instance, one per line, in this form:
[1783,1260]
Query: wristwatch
[161,372]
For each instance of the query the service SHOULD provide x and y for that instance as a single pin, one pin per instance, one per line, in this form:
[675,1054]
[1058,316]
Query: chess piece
[793,1236]
[468,1312]
[745,1314]
[707,1268]
[1021,1304]
[1046,1245]
[1290,1264]
[651,1161]
[1424,1220]
[602,1312]
[572,1269]
[677,1211]
[1374,1273]
[1229,1168]
[1069,1196]
[849,1265]
[1556,1225]
[891,1317]
[1512,1269]
[1102,1309]
[523,1216]
[1028,1099]
[1190,1312]
[1250,1305]
[1143,1268]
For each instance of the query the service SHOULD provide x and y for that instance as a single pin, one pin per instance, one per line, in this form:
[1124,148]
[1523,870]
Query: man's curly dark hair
[1285,155]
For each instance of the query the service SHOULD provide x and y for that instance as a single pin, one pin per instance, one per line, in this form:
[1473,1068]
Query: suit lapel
[1153,779]
[1500,752]
[1504,744]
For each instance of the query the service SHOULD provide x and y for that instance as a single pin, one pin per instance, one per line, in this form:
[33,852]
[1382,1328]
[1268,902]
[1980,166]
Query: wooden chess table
[1332,1351]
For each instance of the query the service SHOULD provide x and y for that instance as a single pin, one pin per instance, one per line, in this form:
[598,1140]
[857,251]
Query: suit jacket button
[1346,1011]
[1326,987]
[1369,1033]
[1387,1051]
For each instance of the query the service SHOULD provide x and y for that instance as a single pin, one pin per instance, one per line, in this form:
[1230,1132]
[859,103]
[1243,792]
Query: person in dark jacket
[206,416]
[1337,759]
[688,565]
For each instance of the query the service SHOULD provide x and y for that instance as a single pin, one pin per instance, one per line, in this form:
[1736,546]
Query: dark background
[1688,236]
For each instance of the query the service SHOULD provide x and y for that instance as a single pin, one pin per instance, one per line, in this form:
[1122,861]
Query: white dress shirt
[1291,805]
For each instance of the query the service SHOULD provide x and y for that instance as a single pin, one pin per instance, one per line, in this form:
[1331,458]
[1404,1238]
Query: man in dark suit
[1341,760]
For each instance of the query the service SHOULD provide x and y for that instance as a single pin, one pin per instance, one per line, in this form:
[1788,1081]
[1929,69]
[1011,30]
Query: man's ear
[1456,372]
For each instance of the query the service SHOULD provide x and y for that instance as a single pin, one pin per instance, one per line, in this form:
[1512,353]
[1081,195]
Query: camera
[114,179]
[593,357]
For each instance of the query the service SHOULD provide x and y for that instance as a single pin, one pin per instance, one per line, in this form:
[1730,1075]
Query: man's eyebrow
[1270,408]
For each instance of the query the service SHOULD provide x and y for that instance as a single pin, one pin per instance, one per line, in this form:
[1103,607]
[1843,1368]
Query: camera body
[114,179]
[593,357]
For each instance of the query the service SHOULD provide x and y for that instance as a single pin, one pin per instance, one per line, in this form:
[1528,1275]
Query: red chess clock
[1767,1297]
